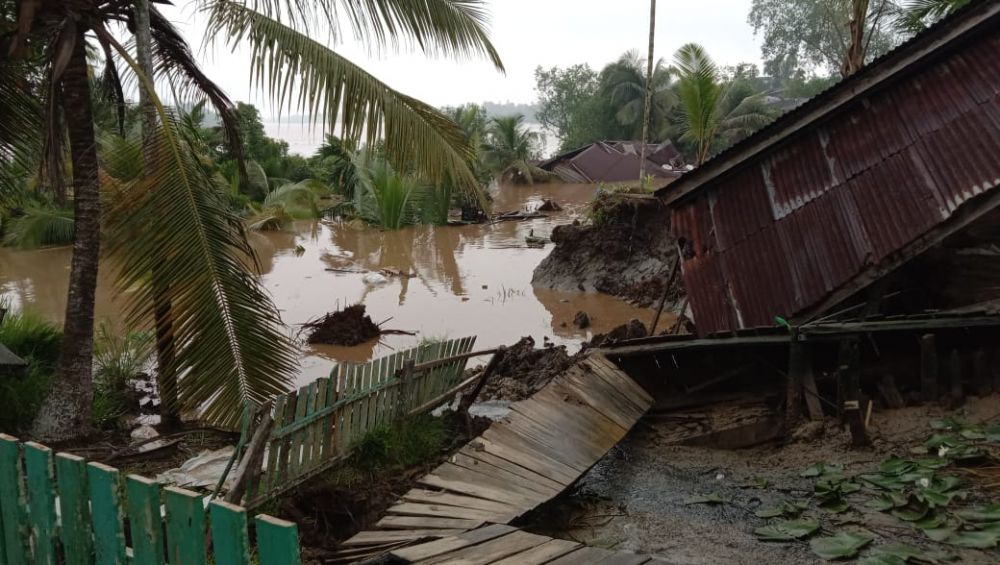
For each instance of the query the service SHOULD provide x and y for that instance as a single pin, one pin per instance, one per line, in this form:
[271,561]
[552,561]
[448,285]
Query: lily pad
[840,545]
[989,513]
[894,554]
[974,539]
[939,534]
[931,521]
[820,469]
[788,530]
[836,505]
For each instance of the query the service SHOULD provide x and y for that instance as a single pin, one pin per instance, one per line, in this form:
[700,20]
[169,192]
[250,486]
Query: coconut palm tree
[510,150]
[230,348]
[624,83]
[915,15]
[714,113]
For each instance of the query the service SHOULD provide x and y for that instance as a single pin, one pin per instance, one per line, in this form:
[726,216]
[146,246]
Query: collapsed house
[617,161]
[854,242]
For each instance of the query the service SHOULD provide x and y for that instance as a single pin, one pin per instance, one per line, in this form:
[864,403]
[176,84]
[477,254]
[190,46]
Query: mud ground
[635,498]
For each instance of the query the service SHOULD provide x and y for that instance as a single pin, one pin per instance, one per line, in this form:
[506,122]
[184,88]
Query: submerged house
[616,161]
[880,194]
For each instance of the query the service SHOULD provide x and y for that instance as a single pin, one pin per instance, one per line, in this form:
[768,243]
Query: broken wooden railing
[315,427]
[57,508]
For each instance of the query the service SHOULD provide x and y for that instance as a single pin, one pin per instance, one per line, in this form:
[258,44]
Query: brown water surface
[470,280]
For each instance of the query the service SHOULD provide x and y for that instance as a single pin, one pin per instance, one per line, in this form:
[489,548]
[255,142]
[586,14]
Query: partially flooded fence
[57,508]
[316,426]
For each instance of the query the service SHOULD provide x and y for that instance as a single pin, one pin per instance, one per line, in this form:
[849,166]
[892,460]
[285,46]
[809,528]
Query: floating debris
[350,326]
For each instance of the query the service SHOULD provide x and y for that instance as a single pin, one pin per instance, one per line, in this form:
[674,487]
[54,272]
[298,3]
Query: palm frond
[20,147]
[452,28]
[231,350]
[302,73]
[41,226]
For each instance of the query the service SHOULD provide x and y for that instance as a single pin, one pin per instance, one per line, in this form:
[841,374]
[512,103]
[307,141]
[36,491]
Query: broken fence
[61,509]
[316,427]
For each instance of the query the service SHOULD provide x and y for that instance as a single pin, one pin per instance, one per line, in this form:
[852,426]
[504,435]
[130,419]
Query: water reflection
[469,280]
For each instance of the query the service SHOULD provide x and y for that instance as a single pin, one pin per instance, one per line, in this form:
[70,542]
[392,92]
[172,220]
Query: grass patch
[401,446]
[119,357]
[37,341]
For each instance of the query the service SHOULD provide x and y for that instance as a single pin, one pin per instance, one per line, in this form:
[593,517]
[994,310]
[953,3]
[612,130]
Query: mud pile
[524,370]
[627,252]
[350,326]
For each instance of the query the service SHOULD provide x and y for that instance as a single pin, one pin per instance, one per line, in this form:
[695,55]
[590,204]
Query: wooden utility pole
[648,98]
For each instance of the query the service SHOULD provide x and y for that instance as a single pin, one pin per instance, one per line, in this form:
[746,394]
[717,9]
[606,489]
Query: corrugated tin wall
[790,226]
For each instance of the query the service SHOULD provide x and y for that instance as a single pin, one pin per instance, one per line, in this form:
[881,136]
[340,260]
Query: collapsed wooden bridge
[542,447]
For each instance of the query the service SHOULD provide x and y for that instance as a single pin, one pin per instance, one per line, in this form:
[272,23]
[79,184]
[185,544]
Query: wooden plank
[443,546]
[284,461]
[229,533]
[366,382]
[185,526]
[552,549]
[105,507]
[306,435]
[74,508]
[576,451]
[12,501]
[274,445]
[561,407]
[449,499]
[319,428]
[583,556]
[543,466]
[380,537]
[470,489]
[596,396]
[492,550]
[498,478]
[41,502]
[410,523]
[326,439]
[415,509]
[504,436]
[145,521]
[340,422]
[616,388]
[472,459]
[539,489]
[812,395]
[615,375]
[277,541]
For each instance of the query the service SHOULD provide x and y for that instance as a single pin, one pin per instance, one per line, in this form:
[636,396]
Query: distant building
[616,161]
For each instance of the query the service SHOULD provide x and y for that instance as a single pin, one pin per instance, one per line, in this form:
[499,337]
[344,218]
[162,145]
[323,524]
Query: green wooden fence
[61,509]
[316,426]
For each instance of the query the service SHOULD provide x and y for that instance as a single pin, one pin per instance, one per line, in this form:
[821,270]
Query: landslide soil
[626,251]
[634,498]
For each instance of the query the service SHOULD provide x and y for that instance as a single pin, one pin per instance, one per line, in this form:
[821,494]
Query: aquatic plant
[386,197]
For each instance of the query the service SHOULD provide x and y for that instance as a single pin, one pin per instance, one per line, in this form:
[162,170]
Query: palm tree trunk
[65,413]
[166,376]
[648,102]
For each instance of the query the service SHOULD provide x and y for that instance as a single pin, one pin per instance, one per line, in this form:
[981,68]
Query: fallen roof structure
[841,192]
[616,161]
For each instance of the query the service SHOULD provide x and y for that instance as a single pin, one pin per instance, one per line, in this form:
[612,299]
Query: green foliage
[119,357]
[38,342]
[915,16]
[814,35]
[840,545]
[789,530]
[386,197]
[404,445]
[509,150]
[40,226]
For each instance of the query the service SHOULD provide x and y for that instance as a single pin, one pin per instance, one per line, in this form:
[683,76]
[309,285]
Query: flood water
[470,280]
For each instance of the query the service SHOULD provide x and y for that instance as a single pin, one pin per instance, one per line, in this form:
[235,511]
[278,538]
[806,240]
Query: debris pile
[632,330]
[524,370]
[347,327]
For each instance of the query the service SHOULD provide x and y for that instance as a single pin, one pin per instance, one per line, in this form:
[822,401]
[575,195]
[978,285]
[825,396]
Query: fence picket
[145,520]
[278,541]
[284,461]
[271,477]
[185,526]
[330,398]
[41,502]
[105,507]
[12,501]
[230,543]
[74,509]
[321,401]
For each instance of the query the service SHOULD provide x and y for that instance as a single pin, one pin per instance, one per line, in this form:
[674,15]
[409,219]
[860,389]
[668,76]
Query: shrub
[37,341]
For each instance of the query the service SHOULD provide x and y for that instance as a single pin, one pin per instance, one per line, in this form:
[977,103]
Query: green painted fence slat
[105,506]
[277,541]
[185,527]
[145,520]
[229,533]
[74,509]
[41,502]
[12,501]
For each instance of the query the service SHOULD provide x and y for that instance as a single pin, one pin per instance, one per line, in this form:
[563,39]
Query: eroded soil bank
[625,251]
[641,496]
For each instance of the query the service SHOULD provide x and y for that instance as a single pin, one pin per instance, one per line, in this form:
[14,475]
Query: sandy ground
[634,499]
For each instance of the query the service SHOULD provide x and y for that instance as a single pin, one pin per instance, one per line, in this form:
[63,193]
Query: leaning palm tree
[230,349]
[510,150]
[714,113]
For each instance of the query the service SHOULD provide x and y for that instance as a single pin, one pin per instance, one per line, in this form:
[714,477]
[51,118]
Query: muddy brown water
[470,280]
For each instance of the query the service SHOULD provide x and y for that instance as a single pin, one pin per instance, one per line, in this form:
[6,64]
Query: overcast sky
[527,33]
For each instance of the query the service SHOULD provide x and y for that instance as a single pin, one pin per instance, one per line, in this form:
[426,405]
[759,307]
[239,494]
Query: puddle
[470,280]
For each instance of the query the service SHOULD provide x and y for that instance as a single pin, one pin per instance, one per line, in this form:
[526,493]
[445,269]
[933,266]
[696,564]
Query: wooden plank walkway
[542,447]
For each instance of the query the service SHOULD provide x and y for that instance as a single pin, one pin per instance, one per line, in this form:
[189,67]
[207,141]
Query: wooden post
[955,392]
[463,407]
[981,370]
[854,409]
[249,468]
[812,394]
[928,368]
[797,361]
[666,291]
[887,386]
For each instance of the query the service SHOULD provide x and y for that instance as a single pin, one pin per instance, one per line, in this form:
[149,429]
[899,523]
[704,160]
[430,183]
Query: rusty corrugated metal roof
[873,180]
